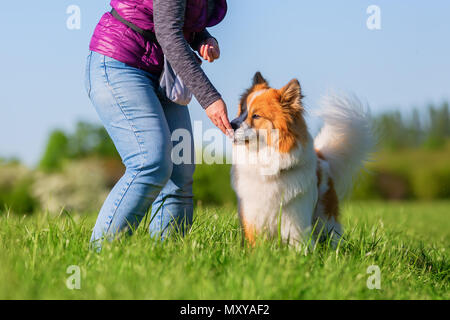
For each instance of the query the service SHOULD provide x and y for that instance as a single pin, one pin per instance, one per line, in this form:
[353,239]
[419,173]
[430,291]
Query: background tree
[55,152]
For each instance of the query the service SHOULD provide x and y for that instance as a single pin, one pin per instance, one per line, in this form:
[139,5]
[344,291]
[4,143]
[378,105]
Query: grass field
[408,241]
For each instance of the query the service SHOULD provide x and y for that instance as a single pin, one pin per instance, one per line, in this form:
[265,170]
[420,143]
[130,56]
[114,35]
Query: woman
[122,80]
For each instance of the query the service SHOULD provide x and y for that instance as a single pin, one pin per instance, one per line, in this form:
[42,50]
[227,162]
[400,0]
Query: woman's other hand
[210,50]
[218,114]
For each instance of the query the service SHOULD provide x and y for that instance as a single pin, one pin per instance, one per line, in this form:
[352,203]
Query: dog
[288,184]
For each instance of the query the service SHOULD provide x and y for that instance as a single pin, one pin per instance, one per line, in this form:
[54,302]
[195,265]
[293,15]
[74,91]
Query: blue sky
[325,44]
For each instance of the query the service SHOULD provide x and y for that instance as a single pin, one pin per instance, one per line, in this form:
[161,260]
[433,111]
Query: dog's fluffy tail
[346,138]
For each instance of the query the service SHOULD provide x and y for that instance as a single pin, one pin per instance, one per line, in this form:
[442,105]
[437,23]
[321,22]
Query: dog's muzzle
[240,127]
[244,134]
[236,123]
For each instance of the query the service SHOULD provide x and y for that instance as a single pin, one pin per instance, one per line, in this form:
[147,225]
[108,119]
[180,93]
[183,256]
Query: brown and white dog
[288,183]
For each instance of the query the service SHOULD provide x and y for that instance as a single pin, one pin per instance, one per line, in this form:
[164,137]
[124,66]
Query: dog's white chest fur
[290,193]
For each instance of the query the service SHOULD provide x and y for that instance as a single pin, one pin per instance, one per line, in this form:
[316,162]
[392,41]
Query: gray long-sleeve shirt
[168,17]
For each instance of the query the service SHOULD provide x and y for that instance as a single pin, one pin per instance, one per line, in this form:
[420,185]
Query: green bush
[19,198]
[212,184]
[88,140]
[56,151]
[431,183]
[15,188]
[413,173]
[365,187]
[91,140]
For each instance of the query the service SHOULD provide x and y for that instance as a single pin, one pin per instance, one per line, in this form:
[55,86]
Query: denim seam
[89,74]
[119,200]
[142,153]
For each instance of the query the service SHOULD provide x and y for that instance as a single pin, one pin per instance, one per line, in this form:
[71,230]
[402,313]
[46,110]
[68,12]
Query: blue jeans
[140,124]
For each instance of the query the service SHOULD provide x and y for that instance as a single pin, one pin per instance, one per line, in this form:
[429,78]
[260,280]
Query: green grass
[408,241]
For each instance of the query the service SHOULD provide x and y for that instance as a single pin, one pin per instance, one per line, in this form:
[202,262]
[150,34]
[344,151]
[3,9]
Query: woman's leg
[173,209]
[125,100]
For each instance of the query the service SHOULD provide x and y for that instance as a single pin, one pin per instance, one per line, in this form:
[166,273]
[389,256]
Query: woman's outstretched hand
[210,50]
[218,114]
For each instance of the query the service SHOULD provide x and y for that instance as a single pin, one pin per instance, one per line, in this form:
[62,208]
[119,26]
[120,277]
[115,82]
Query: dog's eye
[256,116]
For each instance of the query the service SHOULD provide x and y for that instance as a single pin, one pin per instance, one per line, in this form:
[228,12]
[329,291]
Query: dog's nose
[236,123]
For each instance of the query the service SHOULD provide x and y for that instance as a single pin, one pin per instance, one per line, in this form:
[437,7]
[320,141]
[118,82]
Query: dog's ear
[291,95]
[259,79]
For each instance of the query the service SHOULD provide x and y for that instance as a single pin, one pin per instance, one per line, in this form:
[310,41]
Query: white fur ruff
[291,188]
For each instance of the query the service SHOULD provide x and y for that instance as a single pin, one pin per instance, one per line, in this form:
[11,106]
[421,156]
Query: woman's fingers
[209,52]
[203,51]
[227,125]
[217,112]
[222,122]
[221,126]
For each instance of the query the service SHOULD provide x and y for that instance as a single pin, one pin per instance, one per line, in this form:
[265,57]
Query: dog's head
[263,109]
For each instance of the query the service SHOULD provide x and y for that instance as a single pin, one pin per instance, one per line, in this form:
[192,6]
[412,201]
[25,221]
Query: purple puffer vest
[115,40]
